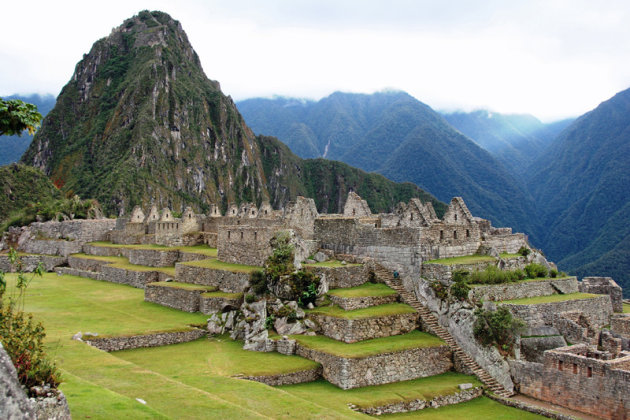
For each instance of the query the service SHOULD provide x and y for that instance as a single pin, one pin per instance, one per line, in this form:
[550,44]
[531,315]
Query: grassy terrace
[112,260]
[521,281]
[626,308]
[225,295]
[506,255]
[185,286]
[371,312]
[550,298]
[331,264]
[364,290]
[371,347]
[196,249]
[467,259]
[126,265]
[135,246]
[220,265]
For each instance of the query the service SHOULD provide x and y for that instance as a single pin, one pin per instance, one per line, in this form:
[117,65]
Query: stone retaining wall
[30,262]
[520,290]
[620,324]
[105,251]
[186,300]
[76,272]
[137,279]
[288,378]
[52,247]
[86,264]
[604,286]
[154,257]
[353,330]
[226,281]
[597,310]
[209,305]
[444,273]
[350,303]
[380,369]
[542,411]
[157,339]
[419,404]
[340,277]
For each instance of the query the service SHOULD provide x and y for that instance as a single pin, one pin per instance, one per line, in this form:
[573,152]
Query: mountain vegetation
[581,188]
[394,134]
[139,123]
[13,146]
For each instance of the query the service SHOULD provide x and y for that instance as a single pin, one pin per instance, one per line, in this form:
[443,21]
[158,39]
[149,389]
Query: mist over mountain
[395,134]
[12,147]
[139,123]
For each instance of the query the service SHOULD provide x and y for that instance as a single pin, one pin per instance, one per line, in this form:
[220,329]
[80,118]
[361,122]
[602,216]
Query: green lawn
[482,408]
[506,255]
[220,265]
[626,308]
[364,290]
[133,267]
[413,339]
[371,312]
[195,249]
[199,249]
[113,260]
[185,286]
[331,264]
[520,281]
[467,259]
[548,299]
[220,294]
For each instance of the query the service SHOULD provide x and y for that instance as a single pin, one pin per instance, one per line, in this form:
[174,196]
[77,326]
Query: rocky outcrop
[14,404]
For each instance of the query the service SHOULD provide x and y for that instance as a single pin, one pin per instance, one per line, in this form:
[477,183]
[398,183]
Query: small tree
[498,328]
[17,116]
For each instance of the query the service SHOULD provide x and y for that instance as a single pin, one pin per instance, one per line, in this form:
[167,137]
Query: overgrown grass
[371,312]
[364,290]
[467,259]
[411,340]
[550,298]
[220,265]
[185,286]
[331,264]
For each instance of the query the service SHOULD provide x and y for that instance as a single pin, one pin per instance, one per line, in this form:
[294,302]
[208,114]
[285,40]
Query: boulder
[14,403]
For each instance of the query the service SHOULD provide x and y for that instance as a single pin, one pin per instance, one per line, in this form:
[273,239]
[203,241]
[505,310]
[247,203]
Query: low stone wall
[190,256]
[154,257]
[597,310]
[353,330]
[86,264]
[137,279]
[620,324]
[76,272]
[75,230]
[604,286]
[52,247]
[348,304]
[105,251]
[340,277]
[444,273]
[167,294]
[157,339]
[419,404]
[226,281]
[211,304]
[520,290]
[30,262]
[292,378]
[542,411]
[347,373]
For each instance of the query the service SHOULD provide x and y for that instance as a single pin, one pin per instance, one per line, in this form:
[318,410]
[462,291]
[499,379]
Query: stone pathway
[431,321]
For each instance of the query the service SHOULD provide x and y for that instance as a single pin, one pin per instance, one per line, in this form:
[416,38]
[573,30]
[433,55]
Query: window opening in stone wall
[253,212]
[589,372]
[265,211]
[255,235]
[190,216]
[229,234]
[560,364]
[467,233]
[574,368]
[454,234]
[354,212]
[411,216]
[441,234]
[241,235]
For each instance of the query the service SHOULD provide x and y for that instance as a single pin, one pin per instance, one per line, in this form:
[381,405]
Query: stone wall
[86,264]
[246,244]
[30,262]
[620,324]
[340,277]
[444,272]
[505,242]
[349,304]
[153,257]
[526,289]
[74,230]
[604,286]
[353,330]
[77,272]
[137,279]
[106,251]
[420,404]
[211,304]
[226,281]
[597,310]
[169,294]
[292,378]
[570,378]
[52,247]
[157,339]
[347,373]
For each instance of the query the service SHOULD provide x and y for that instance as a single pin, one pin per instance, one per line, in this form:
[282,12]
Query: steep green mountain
[515,140]
[402,138]
[581,185]
[21,184]
[139,123]
[12,147]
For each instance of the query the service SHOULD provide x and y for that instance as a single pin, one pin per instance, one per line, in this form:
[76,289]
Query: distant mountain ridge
[395,134]
[139,123]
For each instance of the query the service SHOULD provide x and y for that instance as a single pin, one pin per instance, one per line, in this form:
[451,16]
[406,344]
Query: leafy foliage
[17,116]
[21,336]
[524,251]
[535,270]
[497,328]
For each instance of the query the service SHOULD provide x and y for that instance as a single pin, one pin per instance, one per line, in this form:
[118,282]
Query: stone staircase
[432,323]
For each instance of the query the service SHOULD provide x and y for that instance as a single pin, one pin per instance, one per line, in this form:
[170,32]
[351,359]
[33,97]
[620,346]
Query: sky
[549,58]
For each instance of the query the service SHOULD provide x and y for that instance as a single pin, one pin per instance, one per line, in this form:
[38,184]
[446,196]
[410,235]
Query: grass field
[468,259]
[364,290]
[371,312]
[185,286]
[626,308]
[220,265]
[548,299]
[191,380]
[195,249]
[506,255]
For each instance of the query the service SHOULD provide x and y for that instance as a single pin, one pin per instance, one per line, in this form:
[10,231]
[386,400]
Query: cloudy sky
[549,58]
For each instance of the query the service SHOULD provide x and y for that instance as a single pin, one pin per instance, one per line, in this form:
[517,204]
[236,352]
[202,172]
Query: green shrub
[497,328]
[441,291]
[258,282]
[535,270]
[524,251]
[308,295]
[553,273]
[460,290]
[249,298]
[269,321]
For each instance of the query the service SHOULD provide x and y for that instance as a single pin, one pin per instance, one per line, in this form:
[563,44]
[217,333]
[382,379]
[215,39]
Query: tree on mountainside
[17,116]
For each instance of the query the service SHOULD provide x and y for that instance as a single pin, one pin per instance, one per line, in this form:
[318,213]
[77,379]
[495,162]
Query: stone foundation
[353,330]
[157,339]
[211,304]
[288,378]
[226,281]
[86,264]
[418,404]
[347,373]
[168,294]
[521,290]
[349,304]
[154,257]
